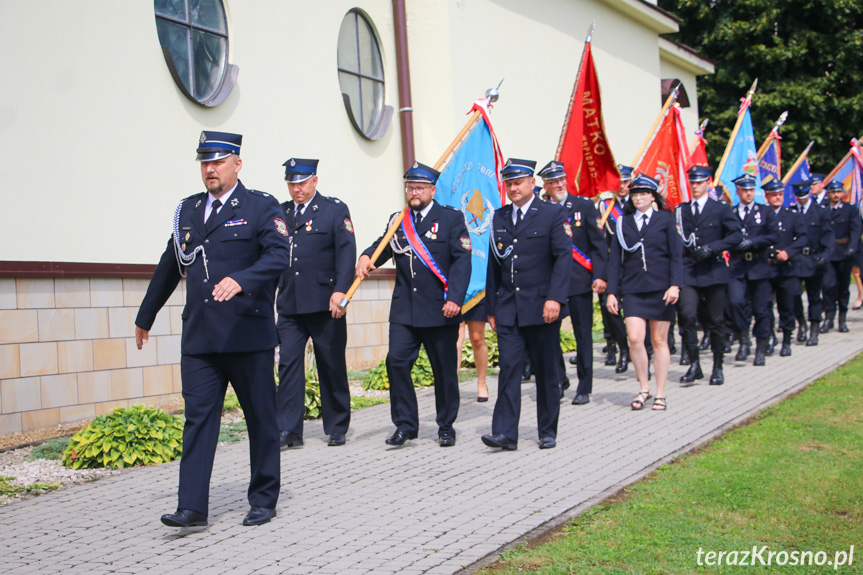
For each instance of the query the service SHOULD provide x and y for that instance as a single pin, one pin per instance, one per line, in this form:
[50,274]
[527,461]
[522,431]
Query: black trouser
[838,291]
[440,345]
[813,296]
[205,379]
[714,320]
[786,289]
[612,324]
[329,338]
[542,342]
[748,298]
[581,316]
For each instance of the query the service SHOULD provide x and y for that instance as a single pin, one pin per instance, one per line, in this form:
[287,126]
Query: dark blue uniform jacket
[418,300]
[323,256]
[248,242]
[663,253]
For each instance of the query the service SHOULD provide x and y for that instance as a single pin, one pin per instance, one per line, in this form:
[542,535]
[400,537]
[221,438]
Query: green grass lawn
[791,480]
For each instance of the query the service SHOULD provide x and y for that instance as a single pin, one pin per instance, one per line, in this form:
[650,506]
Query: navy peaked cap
[421,173]
[217,145]
[744,182]
[299,170]
[552,171]
[515,168]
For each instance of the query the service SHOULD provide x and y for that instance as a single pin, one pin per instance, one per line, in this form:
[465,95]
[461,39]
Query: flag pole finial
[590,31]
[492,94]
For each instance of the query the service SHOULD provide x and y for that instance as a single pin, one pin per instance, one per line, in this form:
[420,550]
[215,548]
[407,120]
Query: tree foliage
[807,56]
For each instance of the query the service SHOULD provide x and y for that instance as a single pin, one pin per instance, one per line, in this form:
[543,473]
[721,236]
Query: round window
[361,76]
[194,39]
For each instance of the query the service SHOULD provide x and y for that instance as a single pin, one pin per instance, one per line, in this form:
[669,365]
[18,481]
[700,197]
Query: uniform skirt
[476,313]
[647,306]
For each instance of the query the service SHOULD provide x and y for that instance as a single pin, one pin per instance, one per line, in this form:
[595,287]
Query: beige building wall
[100,146]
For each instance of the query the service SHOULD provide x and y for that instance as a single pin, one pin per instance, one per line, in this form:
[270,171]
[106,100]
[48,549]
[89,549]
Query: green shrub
[231,402]
[313,386]
[467,359]
[567,341]
[138,435]
[51,449]
[421,373]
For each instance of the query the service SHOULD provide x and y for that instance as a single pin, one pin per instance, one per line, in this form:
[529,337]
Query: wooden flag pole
[797,163]
[834,171]
[491,95]
[698,136]
[763,149]
[574,94]
[718,174]
[672,97]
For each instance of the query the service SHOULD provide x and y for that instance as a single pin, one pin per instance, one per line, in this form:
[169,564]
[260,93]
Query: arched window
[361,76]
[194,39]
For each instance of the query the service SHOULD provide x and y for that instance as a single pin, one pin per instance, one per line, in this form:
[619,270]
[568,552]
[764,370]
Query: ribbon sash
[615,211]
[579,256]
[421,250]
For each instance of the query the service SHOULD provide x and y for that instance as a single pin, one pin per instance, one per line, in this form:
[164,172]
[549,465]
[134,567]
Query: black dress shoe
[258,516]
[447,439]
[694,372]
[481,399]
[288,439]
[581,399]
[399,437]
[500,441]
[336,439]
[547,443]
[184,518]
[573,360]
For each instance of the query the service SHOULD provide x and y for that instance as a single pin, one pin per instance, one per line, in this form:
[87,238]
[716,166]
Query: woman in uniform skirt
[645,270]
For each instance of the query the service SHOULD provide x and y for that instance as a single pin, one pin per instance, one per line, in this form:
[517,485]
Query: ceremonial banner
[583,147]
[471,184]
[699,152]
[850,173]
[667,159]
[769,165]
[801,173]
[742,159]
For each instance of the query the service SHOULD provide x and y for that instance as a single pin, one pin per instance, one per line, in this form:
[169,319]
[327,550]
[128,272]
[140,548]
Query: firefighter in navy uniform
[783,256]
[431,251]
[613,324]
[749,283]
[231,244]
[846,223]
[812,264]
[527,285]
[590,253]
[708,227]
[321,270]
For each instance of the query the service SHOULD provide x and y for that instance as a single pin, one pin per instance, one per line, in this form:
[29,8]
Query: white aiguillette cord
[184,260]
[639,245]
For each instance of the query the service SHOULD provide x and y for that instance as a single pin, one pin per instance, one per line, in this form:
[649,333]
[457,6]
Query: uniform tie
[643,221]
[695,209]
[418,218]
[299,210]
[213,209]
[518,215]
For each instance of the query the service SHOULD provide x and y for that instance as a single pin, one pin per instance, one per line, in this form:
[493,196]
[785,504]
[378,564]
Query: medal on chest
[577,217]
[309,226]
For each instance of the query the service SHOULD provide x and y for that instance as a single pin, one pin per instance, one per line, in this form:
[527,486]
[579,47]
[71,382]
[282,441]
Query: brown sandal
[638,402]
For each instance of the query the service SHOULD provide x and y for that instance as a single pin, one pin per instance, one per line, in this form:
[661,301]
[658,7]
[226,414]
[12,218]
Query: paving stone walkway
[366,508]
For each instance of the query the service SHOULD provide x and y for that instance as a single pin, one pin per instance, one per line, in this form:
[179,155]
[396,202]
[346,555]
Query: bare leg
[635,331]
[476,331]
[661,354]
[855,273]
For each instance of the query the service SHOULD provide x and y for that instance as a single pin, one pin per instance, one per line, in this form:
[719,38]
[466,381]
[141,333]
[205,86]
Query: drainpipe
[404,83]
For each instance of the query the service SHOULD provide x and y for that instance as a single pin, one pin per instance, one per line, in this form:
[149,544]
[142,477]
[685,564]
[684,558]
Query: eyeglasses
[416,189]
